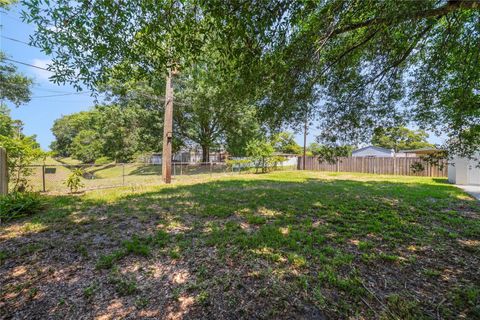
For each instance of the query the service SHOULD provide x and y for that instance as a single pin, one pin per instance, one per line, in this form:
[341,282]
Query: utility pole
[305,141]
[168,130]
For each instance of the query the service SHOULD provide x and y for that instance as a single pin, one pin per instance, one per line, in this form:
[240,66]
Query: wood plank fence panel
[377,165]
[3,172]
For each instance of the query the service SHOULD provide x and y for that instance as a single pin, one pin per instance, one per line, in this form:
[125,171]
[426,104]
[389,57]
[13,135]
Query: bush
[17,205]
[417,167]
[103,160]
[74,180]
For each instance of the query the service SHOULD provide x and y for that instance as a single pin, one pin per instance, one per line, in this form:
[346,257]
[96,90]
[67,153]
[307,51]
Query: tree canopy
[107,131]
[400,138]
[354,65]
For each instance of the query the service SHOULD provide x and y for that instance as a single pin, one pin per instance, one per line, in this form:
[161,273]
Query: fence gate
[3,172]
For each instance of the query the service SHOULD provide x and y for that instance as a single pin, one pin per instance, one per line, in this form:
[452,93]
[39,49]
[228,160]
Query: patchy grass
[279,245]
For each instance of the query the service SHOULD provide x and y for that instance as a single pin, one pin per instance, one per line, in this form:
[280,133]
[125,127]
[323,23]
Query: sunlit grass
[337,242]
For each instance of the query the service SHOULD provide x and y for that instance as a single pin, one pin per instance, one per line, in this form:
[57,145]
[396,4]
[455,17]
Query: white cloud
[42,63]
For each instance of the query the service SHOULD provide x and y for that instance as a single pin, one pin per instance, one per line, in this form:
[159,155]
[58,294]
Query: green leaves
[14,87]
[400,138]
[22,151]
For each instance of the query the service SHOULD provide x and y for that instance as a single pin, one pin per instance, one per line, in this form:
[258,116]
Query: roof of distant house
[373,147]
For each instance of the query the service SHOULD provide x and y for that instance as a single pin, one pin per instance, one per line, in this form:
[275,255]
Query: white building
[372,151]
[464,171]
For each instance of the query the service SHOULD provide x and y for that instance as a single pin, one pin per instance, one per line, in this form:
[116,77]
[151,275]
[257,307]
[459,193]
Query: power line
[34,87]
[27,64]
[7,15]
[19,41]
[61,95]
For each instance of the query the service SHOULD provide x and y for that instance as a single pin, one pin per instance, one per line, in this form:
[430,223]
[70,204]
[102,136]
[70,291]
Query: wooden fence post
[3,172]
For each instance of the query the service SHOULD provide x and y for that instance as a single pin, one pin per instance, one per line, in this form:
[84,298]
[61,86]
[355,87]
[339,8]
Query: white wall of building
[452,175]
[464,171]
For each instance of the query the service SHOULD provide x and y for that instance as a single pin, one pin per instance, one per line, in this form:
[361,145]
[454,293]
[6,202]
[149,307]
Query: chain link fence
[52,178]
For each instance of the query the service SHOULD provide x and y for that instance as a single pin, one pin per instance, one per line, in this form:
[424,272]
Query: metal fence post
[43,178]
[211,167]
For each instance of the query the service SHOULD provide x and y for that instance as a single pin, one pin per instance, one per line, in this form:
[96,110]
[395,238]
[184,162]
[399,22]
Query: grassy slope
[290,244]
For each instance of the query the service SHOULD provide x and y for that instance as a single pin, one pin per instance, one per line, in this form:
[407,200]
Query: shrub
[16,205]
[74,180]
[417,167]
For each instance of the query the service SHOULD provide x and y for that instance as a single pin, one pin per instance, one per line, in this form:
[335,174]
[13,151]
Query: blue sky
[39,114]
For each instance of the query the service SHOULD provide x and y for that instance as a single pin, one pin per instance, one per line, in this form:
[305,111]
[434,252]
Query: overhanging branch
[451,6]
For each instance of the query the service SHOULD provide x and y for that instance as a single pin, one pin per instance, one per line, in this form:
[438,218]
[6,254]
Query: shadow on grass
[258,248]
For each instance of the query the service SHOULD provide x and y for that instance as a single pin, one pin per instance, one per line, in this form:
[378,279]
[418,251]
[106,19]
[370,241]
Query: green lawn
[280,245]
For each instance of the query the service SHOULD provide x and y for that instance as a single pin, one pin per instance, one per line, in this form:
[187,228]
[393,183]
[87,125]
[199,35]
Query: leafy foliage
[417,167]
[329,154]
[284,142]
[260,151]
[353,65]
[74,180]
[210,115]
[14,87]
[108,131]
[86,146]
[22,151]
[19,204]
[400,138]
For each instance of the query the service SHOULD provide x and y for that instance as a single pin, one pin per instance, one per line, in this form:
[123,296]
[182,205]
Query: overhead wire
[19,41]
[27,64]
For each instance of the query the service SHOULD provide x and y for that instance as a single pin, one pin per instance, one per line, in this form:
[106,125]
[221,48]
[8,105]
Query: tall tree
[66,128]
[400,138]
[209,108]
[112,131]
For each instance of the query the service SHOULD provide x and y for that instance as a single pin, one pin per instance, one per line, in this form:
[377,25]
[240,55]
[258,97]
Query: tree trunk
[205,153]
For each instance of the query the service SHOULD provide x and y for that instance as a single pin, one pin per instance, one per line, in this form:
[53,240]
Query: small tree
[22,150]
[260,151]
[74,180]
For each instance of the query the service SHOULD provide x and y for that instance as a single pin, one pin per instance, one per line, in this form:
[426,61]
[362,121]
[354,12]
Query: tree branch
[451,6]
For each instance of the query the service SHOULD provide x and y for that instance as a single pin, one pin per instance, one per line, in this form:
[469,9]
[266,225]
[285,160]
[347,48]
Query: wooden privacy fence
[3,172]
[378,165]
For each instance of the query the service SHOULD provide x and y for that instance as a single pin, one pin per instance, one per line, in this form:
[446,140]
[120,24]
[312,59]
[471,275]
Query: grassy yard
[279,245]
